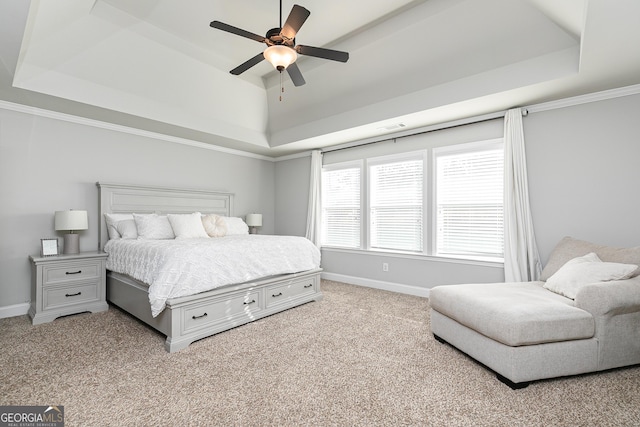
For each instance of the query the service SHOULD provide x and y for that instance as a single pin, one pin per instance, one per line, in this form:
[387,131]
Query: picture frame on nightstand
[48,247]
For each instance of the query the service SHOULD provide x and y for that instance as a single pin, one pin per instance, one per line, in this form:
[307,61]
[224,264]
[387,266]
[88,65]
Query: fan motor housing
[274,38]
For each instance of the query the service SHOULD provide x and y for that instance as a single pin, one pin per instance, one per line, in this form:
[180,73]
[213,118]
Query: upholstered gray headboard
[126,198]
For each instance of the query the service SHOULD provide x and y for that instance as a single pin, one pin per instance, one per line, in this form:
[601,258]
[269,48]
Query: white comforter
[175,268]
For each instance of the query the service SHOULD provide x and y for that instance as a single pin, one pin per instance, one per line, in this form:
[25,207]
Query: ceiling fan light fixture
[280,56]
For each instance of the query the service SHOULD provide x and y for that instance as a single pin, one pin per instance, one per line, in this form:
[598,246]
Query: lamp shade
[280,56]
[71,220]
[254,220]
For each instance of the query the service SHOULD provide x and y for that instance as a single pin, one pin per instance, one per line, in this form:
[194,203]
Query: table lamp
[71,221]
[254,221]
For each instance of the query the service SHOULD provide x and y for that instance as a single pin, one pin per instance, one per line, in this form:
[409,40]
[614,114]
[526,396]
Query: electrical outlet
[385,266]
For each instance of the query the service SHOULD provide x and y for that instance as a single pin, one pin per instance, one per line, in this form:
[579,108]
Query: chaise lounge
[582,316]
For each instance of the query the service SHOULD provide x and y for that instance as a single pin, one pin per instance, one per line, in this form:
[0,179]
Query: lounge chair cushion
[514,314]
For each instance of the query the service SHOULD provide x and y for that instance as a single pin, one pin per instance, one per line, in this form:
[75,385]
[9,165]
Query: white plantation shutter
[469,201]
[341,207]
[395,203]
[461,212]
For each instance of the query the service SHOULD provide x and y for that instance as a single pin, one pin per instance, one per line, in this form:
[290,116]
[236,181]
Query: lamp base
[71,244]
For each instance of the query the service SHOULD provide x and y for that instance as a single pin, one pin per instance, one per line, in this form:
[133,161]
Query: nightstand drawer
[71,271]
[55,297]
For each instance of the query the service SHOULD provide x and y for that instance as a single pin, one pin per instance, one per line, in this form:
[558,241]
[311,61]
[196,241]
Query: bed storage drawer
[284,293]
[241,305]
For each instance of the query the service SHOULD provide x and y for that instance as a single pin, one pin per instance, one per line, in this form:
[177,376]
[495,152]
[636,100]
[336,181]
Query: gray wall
[582,164]
[48,164]
[583,173]
[292,195]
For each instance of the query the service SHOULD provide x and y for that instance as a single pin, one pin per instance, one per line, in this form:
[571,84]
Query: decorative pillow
[214,225]
[127,229]
[236,225]
[569,248]
[584,270]
[153,226]
[112,222]
[187,226]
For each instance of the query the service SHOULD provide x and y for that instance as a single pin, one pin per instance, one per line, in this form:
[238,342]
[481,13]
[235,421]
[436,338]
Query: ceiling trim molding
[585,99]
[125,129]
[293,156]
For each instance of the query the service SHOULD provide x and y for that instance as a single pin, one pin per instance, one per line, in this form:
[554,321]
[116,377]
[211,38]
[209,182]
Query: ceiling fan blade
[237,31]
[296,18]
[319,52]
[295,74]
[247,64]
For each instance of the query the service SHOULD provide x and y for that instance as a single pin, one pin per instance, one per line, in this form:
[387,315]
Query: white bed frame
[187,319]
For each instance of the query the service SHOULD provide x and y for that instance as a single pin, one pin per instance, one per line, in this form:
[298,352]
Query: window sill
[481,261]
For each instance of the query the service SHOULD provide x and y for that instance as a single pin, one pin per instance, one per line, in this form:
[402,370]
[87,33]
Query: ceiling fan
[282,50]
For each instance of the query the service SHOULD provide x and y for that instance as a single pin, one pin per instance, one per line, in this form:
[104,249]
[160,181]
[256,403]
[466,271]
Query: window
[395,204]
[469,200]
[443,201]
[341,206]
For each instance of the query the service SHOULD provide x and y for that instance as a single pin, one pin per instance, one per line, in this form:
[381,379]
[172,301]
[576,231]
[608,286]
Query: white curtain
[521,258]
[313,209]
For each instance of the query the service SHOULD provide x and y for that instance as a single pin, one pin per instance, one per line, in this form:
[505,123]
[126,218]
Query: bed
[188,318]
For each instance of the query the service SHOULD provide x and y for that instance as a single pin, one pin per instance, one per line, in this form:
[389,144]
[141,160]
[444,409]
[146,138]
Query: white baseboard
[377,284]
[14,310]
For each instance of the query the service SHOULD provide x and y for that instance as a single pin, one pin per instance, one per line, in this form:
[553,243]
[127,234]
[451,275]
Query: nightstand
[67,284]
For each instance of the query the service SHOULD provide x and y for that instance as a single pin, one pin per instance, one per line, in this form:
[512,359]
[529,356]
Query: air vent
[395,126]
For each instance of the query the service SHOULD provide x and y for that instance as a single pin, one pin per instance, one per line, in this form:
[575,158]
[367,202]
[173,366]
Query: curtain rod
[445,126]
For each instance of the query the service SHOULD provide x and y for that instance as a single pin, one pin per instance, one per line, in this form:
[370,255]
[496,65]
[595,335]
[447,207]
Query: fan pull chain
[281,87]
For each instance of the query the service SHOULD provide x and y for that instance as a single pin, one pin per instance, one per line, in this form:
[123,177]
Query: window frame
[353,164]
[396,158]
[469,147]
[429,211]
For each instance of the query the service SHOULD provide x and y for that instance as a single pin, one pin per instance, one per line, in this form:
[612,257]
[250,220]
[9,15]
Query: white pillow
[235,226]
[214,225]
[187,226]
[153,226]
[112,223]
[584,270]
[127,229]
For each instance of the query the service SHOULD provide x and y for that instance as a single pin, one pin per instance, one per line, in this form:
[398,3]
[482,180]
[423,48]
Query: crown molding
[585,99]
[125,129]
[293,156]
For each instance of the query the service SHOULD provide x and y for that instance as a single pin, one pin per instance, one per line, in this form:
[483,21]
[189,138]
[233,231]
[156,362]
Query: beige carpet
[359,357]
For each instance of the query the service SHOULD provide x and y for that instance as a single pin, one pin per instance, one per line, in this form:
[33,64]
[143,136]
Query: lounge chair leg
[511,384]
[440,340]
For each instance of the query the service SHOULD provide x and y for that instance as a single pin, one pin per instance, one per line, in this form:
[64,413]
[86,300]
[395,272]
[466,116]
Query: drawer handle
[199,317]
[277,295]
[73,272]
[308,286]
[249,302]
[72,295]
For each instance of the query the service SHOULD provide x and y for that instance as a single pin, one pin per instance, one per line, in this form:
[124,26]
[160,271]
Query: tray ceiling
[157,65]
